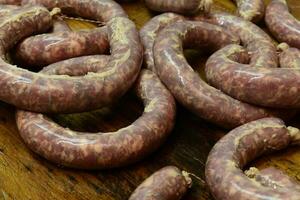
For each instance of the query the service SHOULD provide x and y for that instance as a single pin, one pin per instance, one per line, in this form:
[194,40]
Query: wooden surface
[26,176]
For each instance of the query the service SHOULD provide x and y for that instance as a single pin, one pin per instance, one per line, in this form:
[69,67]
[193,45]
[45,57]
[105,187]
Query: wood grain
[26,176]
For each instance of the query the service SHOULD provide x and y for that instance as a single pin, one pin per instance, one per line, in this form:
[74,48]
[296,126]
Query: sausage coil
[63,94]
[241,146]
[187,87]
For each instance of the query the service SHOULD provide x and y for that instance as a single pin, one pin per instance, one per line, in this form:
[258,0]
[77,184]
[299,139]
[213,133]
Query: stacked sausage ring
[43,93]
[85,79]
[169,63]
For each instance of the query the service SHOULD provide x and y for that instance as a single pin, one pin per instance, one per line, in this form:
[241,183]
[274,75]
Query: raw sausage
[239,147]
[254,39]
[149,33]
[169,183]
[42,50]
[44,93]
[187,7]
[249,84]
[104,150]
[251,10]
[282,24]
[187,87]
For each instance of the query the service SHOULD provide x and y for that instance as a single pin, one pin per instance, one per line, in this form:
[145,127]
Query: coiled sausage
[249,84]
[44,93]
[187,87]
[104,150]
[254,39]
[239,147]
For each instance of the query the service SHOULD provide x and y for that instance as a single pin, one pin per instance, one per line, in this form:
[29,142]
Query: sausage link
[283,25]
[169,183]
[187,7]
[42,50]
[241,146]
[45,93]
[254,39]
[149,33]
[187,87]
[104,150]
[251,10]
[289,57]
[250,84]
[273,178]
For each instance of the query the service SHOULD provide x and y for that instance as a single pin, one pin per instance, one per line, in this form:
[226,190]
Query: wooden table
[26,176]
